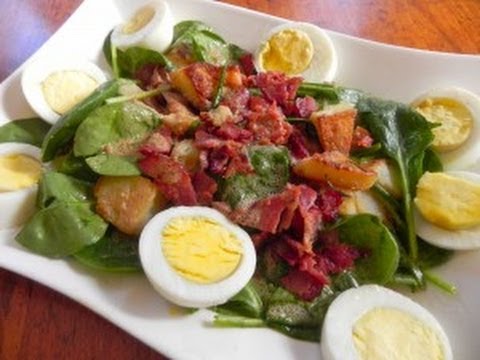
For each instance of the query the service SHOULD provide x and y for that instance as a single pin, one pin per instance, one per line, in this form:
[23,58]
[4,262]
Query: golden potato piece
[337,169]
[335,127]
[127,202]
[186,153]
[197,83]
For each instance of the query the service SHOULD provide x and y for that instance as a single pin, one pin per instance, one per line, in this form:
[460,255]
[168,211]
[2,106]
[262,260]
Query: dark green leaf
[111,165]
[64,129]
[327,92]
[209,47]
[62,229]
[113,125]
[54,186]
[115,252]
[75,166]
[246,303]
[28,131]
[184,29]
[134,58]
[366,232]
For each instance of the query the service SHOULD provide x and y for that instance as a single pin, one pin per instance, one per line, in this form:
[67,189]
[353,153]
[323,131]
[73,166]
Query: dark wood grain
[38,323]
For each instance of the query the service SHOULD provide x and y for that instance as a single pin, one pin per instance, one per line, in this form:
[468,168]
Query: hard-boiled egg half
[373,322]
[298,49]
[53,87]
[457,112]
[150,27]
[448,209]
[20,171]
[195,257]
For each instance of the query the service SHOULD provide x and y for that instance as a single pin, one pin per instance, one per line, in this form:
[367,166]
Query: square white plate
[128,300]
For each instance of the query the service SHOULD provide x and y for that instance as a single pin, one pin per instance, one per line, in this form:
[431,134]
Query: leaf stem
[410,220]
[137,96]
[115,69]
[237,321]
[440,283]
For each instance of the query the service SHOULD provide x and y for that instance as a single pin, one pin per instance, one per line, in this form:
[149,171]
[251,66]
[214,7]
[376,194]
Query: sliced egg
[457,112]
[373,322]
[195,257]
[298,49]
[447,212]
[20,171]
[151,27]
[52,87]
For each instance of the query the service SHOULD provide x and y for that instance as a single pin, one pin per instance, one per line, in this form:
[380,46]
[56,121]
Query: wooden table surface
[38,323]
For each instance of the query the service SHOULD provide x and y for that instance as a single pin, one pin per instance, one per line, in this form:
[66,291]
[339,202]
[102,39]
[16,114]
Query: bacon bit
[301,107]
[362,138]
[277,87]
[236,100]
[247,64]
[205,187]
[159,142]
[151,76]
[303,284]
[239,164]
[339,257]
[260,239]
[176,103]
[230,131]
[267,122]
[297,144]
[170,177]
[329,202]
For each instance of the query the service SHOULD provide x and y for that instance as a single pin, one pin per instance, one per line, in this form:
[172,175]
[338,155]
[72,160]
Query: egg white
[157,34]
[465,157]
[337,333]
[17,206]
[464,239]
[175,288]
[38,70]
[324,64]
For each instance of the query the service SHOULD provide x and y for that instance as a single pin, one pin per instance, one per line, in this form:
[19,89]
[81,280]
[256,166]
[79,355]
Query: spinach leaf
[29,131]
[64,129]
[112,125]
[246,303]
[367,233]
[112,165]
[431,256]
[203,44]
[62,229]
[134,58]
[272,171]
[115,252]
[327,92]
[54,186]
[75,166]
[404,134]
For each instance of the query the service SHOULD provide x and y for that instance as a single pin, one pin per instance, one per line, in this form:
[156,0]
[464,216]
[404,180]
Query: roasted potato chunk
[335,127]
[127,202]
[337,169]
[197,83]
[186,153]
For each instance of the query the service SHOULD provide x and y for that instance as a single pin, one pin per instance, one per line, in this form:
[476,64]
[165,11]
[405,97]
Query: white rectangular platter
[128,300]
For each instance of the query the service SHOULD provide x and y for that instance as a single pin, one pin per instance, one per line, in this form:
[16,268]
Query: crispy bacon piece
[267,122]
[247,64]
[302,107]
[205,187]
[151,76]
[297,144]
[170,177]
[335,129]
[329,202]
[362,138]
[278,87]
[197,83]
[337,169]
[236,100]
[159,142]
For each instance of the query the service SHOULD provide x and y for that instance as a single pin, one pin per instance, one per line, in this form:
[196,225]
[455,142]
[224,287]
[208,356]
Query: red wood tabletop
[38,323]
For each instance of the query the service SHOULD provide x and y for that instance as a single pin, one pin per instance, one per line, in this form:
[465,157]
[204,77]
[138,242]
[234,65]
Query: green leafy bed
[67,225]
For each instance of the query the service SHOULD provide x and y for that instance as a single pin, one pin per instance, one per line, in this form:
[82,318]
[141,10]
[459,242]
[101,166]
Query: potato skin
[337,169]
[127,202]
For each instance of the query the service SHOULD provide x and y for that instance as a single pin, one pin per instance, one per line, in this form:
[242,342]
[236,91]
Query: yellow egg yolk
[454,119]
[200,249]
[141,18]
[289,51]
[391,334]
[65,89]
[449,202]
[18,171]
